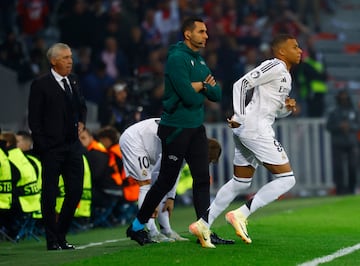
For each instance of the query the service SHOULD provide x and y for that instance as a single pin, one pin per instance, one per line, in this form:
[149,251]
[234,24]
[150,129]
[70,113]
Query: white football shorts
[136,161]
[259,150]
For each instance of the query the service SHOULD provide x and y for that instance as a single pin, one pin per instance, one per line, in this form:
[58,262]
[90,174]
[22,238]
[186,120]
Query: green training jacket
[183,106]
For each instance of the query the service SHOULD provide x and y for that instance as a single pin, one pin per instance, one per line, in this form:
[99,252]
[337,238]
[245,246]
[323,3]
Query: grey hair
[53,51]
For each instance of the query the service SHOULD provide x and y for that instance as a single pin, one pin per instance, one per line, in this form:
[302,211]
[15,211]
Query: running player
[254,138]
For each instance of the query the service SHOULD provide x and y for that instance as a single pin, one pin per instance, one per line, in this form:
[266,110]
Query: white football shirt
[272,84]
[141,149]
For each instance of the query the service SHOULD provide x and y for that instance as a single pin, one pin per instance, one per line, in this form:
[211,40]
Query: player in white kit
[254,138]
[141,149]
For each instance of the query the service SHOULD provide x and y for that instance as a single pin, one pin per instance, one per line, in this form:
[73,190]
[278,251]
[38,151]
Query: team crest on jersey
[192,62]
[144,173]
[173,158]
[255,74]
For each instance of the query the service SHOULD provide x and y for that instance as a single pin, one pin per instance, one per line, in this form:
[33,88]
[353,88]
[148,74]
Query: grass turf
[287,232]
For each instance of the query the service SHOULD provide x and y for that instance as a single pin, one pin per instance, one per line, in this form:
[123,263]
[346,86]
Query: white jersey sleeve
[262,74]
[272,84]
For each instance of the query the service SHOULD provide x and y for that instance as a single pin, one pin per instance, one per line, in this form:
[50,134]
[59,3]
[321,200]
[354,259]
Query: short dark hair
[280,38]
[109,132]
[23,133]
[189,23]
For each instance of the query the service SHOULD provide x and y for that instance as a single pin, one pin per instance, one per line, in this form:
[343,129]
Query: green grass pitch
[287,232]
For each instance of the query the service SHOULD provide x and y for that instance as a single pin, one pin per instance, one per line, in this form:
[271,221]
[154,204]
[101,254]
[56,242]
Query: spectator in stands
[7,16]
[343,123]
[33,17]
[286,21]
[97,83]
[154,107]
[83,66]
[190,8]
[100,11]
[123,20]
[29,69]
[116,61]
[309,13]
[117,111]
[76,24]
[38,63]
[167,21]
[12,53]
[137,52]
[152,36]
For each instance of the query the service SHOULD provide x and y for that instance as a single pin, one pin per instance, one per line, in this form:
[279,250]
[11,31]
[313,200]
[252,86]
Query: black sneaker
[141,236]
[215,239]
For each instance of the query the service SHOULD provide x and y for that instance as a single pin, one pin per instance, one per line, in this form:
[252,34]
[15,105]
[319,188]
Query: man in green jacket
[188,82]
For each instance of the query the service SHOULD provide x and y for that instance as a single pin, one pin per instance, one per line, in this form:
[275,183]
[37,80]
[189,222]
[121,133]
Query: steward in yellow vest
[38,169]
[27,188]
[10,210]
[84,207]
[312,79]
[5,181]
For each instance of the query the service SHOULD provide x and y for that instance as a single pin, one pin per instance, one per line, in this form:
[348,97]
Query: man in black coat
[57,113]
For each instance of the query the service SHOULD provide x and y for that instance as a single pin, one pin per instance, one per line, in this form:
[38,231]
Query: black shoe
[66,245]
[215,239]
[53,246]
[141,236]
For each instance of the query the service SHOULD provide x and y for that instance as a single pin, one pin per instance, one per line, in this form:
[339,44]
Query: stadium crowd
[125,42]
[119,49]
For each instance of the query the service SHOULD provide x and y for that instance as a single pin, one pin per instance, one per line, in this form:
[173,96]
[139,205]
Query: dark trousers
[66,161]
[344,169]
[178,144]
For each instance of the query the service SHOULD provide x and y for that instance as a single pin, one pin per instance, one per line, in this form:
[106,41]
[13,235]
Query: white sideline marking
[328,258]
[100,243]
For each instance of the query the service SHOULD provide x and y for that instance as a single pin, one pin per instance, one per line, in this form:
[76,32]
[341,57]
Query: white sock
[142,193]
[270,192]
[226,194]
[163,219]
[151,225]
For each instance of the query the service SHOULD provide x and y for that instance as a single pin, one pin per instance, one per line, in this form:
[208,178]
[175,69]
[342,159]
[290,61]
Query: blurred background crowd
[120,46]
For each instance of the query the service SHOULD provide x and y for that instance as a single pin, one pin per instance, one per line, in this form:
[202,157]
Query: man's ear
[52,61]
[187,35]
